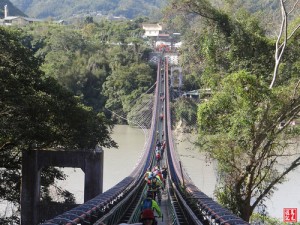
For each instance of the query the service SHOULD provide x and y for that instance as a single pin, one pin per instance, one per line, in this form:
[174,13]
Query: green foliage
[36,111]
[233,109]
[186,110]
[238,127]
[89,59]
[220,43]
[220,53]
[126,83]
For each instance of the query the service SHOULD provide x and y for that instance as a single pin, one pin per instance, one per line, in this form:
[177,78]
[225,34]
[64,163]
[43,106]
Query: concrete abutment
[91,163]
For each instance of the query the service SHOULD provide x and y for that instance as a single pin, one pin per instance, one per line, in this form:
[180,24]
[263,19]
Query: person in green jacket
[149,203]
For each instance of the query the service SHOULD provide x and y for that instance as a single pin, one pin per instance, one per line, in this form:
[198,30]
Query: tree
[126,84]
[184,110]
[239,127]
[36,111]
[217,44]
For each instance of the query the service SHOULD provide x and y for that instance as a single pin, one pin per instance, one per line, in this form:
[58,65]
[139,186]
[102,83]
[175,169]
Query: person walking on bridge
[148,218]
[155,185]
[150,203]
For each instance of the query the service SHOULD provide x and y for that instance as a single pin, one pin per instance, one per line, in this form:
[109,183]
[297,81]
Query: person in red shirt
[147,218]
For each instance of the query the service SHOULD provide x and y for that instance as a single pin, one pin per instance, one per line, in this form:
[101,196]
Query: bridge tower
[91,163]
[176,80]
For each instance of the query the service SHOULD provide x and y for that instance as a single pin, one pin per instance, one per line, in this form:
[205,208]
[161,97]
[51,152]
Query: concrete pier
[91,163]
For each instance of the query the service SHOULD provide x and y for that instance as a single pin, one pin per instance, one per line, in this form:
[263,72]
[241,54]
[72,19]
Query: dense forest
[57,82]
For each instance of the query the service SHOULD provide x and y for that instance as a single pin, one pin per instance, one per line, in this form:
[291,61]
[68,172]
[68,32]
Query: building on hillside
[159,40]
[191,94]
[116,18]
[163,37]
[20,20]
[151,30]
[163,46]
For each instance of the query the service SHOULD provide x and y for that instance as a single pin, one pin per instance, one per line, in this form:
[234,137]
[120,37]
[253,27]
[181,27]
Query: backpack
[147,204]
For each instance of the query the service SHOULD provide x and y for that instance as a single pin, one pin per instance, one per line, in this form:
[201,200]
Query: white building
[20,20]
[152,30]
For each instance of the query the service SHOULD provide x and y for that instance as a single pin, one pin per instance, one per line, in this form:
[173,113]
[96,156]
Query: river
[118,163]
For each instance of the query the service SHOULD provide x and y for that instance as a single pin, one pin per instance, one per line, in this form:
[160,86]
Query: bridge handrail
[120,208]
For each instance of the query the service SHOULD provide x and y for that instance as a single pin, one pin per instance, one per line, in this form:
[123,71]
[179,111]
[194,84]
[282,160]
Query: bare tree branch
[292,9]
[295,89]
[296,28]
[280,48]
[292,166]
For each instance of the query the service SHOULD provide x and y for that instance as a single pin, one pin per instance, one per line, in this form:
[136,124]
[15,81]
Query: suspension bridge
[182,202]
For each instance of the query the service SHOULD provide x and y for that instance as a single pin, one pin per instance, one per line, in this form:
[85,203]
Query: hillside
[13,11]
[81,8]
[69,10]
